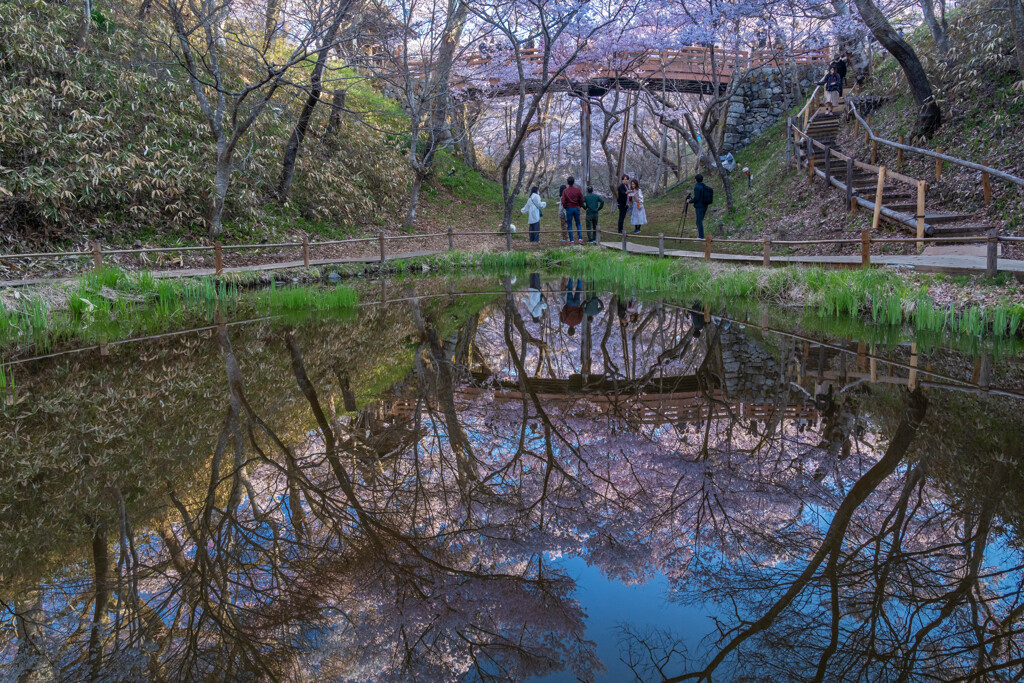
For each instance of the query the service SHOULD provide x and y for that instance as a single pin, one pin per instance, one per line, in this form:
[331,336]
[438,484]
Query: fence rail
[865,240]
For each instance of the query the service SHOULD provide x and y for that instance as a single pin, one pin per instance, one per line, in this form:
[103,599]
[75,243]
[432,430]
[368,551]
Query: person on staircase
[840,64]
[701,198]
[833,83]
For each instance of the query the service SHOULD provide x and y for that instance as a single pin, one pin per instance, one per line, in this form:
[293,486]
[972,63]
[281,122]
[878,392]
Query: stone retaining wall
[762,98]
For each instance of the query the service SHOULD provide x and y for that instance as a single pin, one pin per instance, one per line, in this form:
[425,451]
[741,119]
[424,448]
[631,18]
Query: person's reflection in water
[572,312]
[697,317]
[535,302]
[593,305]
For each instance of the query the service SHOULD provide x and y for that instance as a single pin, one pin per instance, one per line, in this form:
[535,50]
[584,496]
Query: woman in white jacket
[532,209]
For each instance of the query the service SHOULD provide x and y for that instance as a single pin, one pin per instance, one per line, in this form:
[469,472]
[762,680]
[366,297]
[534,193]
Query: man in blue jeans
[701,198]
[572,202]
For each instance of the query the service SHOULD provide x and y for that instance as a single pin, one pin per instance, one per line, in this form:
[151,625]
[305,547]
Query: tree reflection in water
[857,533]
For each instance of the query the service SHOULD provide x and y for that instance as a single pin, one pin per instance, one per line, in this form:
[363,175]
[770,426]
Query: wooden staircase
[899,197]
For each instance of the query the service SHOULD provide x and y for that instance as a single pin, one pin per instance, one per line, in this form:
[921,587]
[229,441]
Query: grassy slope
[99,143]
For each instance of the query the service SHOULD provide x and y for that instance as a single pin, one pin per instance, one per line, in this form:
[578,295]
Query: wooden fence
[709,243]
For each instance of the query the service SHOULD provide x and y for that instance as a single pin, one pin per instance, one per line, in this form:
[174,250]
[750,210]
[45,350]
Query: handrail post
[451,239]
[849,185]
[992,257]
[828,167]
[305,251]
[856,128]
[867,130]
[597,234]
[766,257]
[508,239]
[922,187]
[874,152]
[97,255]
[986,184]
[938,166]
[878,198]
[810,157]
[707,247]
[789,141]
[661,245]
[380,239]
[853,206]
[218,258]
[865,248]
[899,156]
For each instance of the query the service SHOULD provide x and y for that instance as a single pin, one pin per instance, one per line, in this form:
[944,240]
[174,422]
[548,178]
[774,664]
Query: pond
[515,479]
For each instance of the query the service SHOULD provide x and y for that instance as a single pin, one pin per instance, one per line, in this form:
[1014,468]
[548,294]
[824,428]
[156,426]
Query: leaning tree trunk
[291,152]
[929,116]
[939,29]
[1017,24]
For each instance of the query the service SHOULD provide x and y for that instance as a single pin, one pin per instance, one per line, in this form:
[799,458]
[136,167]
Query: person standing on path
[533,211]
[701,199]
[833,83]
[594,204]
[623,199]
[572,200]
[638,214]
[561,212]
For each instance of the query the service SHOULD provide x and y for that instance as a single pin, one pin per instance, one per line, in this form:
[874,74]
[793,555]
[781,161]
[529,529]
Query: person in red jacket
[572,202]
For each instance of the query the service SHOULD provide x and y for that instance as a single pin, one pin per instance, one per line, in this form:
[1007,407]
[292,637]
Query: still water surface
[551,483]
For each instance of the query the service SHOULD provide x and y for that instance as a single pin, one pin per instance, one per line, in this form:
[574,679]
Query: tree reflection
[419,536]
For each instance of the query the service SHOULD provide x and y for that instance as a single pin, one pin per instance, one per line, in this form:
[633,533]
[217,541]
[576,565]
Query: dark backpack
[707,196]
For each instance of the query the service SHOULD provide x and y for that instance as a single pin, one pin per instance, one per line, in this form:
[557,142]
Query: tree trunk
[1017,24]
[940,31]
[220,189]
[414,200]
[273,16]
[83,28]
[291,151]
[337,107]
[929,116]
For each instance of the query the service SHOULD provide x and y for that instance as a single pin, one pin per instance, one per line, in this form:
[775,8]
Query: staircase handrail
[805,113]
[1008,177]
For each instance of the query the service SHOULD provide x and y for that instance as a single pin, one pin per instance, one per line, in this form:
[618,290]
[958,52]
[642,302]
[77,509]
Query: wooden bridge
[696,70]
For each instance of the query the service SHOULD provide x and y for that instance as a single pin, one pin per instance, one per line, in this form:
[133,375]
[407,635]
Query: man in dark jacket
[701,200]
[594,204]
[623,199]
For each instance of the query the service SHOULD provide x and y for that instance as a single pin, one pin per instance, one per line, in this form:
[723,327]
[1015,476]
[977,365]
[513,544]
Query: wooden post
[305,251]
[828,167]
[849,183]
[853,206]
[810,169]
[992,257]
[810,157]
[867,130]
[878,198]
[985,372]
[218,258]
[624,247]
[451,239]
[97,255]
[899,157]
[856,129]
[874,152]
[873,365]
[381,241]
[661,244]
[865,247]
[938,166]
[862,355]
[789,141]
[707,247]
[597,235]
[986,184]
[766,259]
[922,187]
[508,239]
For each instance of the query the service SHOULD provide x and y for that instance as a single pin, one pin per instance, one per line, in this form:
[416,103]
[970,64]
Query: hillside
[107,142]
[983,108]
